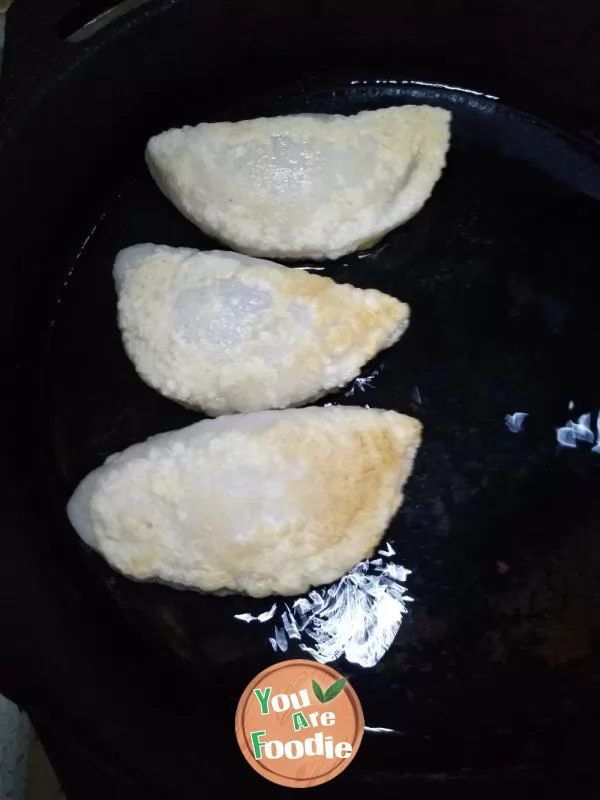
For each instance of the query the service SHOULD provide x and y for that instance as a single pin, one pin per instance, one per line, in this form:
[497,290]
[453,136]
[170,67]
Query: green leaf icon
[318,692]
[331,693]
[334,690]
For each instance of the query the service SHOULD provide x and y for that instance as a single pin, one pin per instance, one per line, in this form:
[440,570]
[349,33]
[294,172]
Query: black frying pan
[492,682]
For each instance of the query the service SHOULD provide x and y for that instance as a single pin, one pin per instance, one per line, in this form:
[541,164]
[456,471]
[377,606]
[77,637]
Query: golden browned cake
[271,502]
[303,186]
[222,332]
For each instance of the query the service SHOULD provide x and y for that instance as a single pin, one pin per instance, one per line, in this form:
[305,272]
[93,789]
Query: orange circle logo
[299,723]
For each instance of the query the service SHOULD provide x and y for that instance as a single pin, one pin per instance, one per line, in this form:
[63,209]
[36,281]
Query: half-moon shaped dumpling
[222,332]
[273,502]
[303,186]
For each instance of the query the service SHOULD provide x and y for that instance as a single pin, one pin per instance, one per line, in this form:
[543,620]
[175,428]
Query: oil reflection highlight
[357,617]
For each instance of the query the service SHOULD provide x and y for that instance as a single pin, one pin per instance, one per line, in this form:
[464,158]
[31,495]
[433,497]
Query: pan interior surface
[497,654]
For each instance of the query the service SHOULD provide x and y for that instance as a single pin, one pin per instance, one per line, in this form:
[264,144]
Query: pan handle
[44,35]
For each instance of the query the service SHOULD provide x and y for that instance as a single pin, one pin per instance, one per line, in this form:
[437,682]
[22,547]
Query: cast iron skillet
[492,681]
